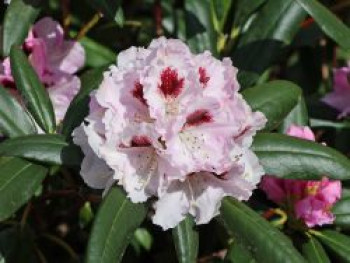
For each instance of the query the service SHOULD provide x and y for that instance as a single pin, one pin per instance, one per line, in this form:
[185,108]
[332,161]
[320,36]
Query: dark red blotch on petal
[171,85]
[198,117]
[140,141]
[203,77]
[137,93]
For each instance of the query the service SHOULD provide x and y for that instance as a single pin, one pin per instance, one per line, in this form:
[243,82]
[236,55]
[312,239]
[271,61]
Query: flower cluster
[169,124]
[311,201]
[339,98]
[54,59]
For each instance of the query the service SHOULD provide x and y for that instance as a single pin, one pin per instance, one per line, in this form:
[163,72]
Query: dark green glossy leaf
[275,99]
[244,9]
[37,99]
[96,54]
[238,253]
[298,116]
[290,157]
[328,22]
[19,179]
[337,243]
[265,242]
[200,31]
[19,17]
[314,252]
[274,26]
[79,107]
[341,210]
[186,241]
[114,226]
[46,148]
[14,120]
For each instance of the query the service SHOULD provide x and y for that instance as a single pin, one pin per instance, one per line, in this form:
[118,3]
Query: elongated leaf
[298,116]
[314,252]
[337,243]
[47,148]
[329,23]
[290,157]
[274,26]
[266,243]
[341,210]
[14,120]
[244,9]
[16,30]
[19,179]
[79,107]
[33,91]
[186,241]
[96,54]
[275,99]
[238,253]
[114,225]
[200,31]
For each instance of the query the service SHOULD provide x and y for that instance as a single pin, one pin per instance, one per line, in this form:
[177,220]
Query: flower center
[203,77]
[198,117]
[137,93]
[171,85]
[140,141]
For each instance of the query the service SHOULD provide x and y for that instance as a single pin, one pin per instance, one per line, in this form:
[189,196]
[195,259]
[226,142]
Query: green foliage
[14,120]
[37,99]
[185,238]
[114,225]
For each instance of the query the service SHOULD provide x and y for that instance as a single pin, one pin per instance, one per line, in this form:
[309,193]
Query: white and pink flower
[55,60]
[172,125]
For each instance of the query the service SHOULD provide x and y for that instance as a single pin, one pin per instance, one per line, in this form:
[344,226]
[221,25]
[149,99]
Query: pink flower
[311,200]
[171,125]
[55,60]
[339,98]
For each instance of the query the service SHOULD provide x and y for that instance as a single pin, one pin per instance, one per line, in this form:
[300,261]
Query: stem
[63,245]
[94,20]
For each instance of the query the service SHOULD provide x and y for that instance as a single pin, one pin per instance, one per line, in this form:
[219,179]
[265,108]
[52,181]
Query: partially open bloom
[339,98]
[310,201]
[172,125]
[54,59]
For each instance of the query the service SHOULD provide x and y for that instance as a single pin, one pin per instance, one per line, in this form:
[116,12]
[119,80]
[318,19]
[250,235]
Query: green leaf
[143,238]
[266,243]
[14,120]
[298,116]
[275,99]
[79,107]
[244,9]
[337,243]
[200,31]
[186,241]
[274,27]
[114,226]
[289,157]
[238,253]
[19,179]
[110,8]
[96,54]
[46,148]
[314,252]
[328,22]
[341,210]
[220,10]
[33,91]
[15,27]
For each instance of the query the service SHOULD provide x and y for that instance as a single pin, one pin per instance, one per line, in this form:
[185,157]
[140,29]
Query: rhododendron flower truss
[54,59]
[309,201]
[171,125]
